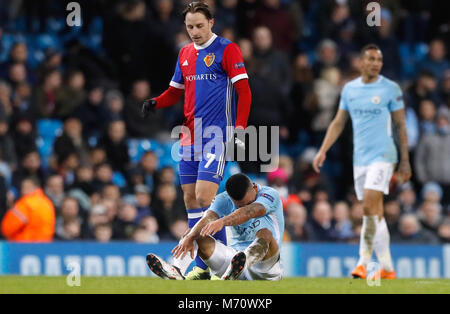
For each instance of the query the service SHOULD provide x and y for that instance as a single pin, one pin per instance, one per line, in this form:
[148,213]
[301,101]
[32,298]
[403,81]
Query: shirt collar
[207,44]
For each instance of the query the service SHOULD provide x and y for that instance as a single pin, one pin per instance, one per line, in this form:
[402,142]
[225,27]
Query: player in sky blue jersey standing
[254,214]
[375,105]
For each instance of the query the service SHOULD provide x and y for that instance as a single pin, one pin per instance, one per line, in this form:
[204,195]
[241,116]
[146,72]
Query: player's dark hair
[369,47]
[237,186]
[198,7]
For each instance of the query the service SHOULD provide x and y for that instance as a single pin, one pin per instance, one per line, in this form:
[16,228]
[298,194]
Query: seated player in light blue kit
[254,214]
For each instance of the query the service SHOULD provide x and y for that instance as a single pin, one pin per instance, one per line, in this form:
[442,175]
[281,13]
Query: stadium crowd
[70,112]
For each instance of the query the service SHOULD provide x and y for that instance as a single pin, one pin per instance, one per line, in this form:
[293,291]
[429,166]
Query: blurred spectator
[30,166]
[270,83]
[278,180]
[71,230]
[3,197]
[323,99]
[115,146]
[54,189]
[24,134]
[103,175]
[167,175]
[6,108]
[296,226]
[21,98]
[407,198]
[444,231]
[93,64]
[412,233]
[97,156]
[137,126]
[126,222]
[97,215]
[71,141]
[52,61]
[66,167]
[343,225]
[431,159]
[337,20]
[114,105]
[148,227]
[327,56]
[17,54]
[72,94]
[128,38]
[356,214]
[7,148]
[430,216]
[322,225]
[306,178]
[68,217]
[112,192]
[432,192]
[178,228]
[141,235]
[303,81]
[385,38]
[103,232]
[279,21]
[92,112]
[427,115]
[435,60]
[445,89]
[45,97]
[143,200]
[147,169]
[392,216]
[32,219]
[84,177]
[167,23]
[17,75]
[424,87]
[168,207]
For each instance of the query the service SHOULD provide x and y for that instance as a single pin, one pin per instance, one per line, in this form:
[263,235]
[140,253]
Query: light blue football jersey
[244,234]
[370,107]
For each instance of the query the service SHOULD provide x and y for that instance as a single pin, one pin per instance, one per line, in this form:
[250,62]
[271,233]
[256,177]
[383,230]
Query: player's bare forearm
[400,130]
[244,214]
[210,216]
[404,168]
[334,130]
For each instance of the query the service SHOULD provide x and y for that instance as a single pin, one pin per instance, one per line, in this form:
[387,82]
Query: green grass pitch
[132,285]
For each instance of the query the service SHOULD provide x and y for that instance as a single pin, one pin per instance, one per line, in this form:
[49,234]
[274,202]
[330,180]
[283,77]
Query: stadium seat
[118,179]
[49,128]
[45,149]
[137,147]
[55,25]
[45,41]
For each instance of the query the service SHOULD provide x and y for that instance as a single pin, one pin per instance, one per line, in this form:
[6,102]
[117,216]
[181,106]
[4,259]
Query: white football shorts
[375,176]
[219,261]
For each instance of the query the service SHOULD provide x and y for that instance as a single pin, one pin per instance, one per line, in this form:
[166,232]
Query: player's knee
[205,246]
[265,234]
[190,200]
[203,199]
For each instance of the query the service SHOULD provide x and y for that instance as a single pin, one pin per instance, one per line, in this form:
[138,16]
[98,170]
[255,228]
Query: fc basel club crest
[209,59]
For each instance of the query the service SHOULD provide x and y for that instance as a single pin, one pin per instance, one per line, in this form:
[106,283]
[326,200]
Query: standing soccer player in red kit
[211,71]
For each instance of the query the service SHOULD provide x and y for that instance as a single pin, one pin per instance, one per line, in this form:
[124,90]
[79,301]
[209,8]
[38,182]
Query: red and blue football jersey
[207,74]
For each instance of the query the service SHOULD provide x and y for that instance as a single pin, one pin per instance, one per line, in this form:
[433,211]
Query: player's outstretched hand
[147,107]
[212,228]
[185,246]
[318,161]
